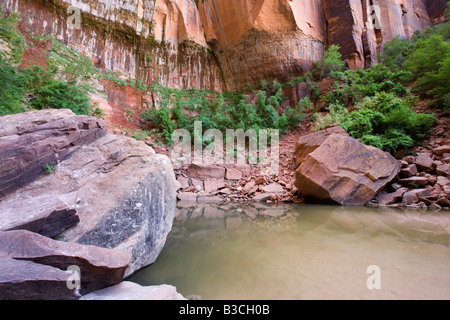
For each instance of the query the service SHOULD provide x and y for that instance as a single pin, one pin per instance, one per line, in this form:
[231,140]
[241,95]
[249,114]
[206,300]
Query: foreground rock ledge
[121,191]
[132,291]
[98,267]
[340,169]
[27,280]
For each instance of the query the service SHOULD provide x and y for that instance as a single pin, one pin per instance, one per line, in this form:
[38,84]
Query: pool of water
[298,251]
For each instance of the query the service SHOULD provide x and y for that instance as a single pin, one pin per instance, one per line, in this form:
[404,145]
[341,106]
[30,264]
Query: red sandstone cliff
[219,44]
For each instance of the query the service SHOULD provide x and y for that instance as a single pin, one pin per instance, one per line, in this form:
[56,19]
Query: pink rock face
[361,27]
[269,38]
[173,40]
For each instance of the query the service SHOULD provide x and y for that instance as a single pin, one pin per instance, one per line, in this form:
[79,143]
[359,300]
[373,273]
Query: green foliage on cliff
[222,111]
[388,122]
[64,83]
[11,90]
[12,44]
[382,101]
[331,62]
[427,57]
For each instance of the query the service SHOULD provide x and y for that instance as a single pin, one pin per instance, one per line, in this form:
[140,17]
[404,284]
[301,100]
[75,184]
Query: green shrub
[395,53]
[331,63]
[12,90]
[161,120]
[337,114]
[61,95]
[387,122]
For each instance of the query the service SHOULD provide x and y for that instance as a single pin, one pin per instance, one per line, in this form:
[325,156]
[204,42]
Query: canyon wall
[361,27]
[148,40]
[225,44]
[263,38]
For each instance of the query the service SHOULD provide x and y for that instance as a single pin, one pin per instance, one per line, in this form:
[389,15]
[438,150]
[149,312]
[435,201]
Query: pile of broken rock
[231,183]
[423,181]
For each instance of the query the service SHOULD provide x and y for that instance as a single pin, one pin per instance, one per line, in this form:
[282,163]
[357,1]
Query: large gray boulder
[339,169]
[123,192]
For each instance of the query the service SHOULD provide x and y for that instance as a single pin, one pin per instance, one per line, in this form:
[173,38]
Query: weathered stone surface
[414,181]
[214,185]
[187,196]
[209,199]
[47,214]
[345,171]
[127,290]
[184,182]
[409,171]
[424,162]
[178,52]
[262,197]
[436,8]
[443,181]
[248,186]
[205,171]
[385,198]
[443,169]
[233,174]
[444,201]
[27,148]
[99,267]
[268,38]
[307,144]
[441,150]
[413,196]
[125,195]
[250,38]
[244,168]
[26,280]
[273,188]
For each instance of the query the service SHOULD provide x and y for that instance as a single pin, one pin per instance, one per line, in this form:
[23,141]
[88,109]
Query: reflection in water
[261,251]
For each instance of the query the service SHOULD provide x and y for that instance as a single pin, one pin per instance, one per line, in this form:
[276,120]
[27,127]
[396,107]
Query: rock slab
[46,214]
[99,267]
[26,280]
[127,290]
[27,149]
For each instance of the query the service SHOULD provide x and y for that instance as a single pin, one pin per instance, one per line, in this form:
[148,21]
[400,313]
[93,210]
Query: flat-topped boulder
[206,171]
[308,143]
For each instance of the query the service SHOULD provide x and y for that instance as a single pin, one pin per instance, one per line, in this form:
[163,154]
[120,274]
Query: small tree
[332,62]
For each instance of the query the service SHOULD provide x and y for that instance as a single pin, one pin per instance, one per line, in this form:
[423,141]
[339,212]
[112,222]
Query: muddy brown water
[304,252]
